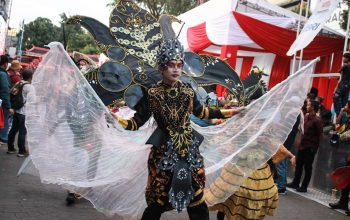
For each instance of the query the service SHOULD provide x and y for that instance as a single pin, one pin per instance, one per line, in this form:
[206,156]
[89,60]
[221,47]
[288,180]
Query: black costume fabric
[176,176]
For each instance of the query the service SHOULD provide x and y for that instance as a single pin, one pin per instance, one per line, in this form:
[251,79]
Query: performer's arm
[204,112]
[283,153]
[140,118]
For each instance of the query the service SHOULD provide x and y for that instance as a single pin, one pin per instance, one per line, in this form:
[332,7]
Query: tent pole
[298,30]
[306,16]
[347,32]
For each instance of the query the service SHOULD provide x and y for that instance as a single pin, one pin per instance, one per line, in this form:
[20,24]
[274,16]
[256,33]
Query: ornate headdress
[171,49]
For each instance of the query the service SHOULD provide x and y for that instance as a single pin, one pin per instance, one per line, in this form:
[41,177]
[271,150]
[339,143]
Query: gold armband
[227,113]
[205,113]
[123,122]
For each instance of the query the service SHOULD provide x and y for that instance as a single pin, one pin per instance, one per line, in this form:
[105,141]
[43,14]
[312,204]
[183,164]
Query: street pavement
[26,198]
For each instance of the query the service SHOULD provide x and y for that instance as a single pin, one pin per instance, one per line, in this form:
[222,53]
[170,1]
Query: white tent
[221,28]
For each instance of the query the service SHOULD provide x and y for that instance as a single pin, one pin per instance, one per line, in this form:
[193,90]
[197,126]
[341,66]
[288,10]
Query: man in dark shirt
[307,149]
[341,93]
[5,85]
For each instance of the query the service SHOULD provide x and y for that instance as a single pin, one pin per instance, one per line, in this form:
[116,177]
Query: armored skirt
[255,199]
[159,181]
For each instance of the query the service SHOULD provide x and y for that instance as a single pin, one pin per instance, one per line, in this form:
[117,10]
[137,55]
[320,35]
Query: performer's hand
[114,115]
[237,110]
[293,161]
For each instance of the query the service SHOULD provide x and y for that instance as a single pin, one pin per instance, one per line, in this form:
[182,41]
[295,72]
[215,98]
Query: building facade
[5,9]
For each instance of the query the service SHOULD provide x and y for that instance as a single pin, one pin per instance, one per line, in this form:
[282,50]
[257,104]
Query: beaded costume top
[171,107]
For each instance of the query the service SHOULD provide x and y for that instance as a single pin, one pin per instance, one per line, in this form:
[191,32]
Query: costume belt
[181,191]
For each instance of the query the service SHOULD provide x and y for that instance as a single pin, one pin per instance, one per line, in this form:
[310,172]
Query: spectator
[346,58]
[341,93]
[18,123]
[343,123]
[312,94]
[344,198]
[307,149]
[5,97]
[14,74]
[282,167]
[325,115]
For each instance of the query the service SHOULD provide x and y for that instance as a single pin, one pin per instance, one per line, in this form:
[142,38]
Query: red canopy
[278,40]
[270,37]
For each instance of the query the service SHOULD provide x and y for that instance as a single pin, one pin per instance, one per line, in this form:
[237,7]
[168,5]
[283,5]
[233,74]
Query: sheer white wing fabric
[245,142]
[74,143]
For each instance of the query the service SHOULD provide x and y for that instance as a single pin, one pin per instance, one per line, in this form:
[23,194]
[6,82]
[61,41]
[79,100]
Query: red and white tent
[247,39]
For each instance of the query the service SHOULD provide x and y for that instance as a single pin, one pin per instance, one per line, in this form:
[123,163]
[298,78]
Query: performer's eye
[175,65]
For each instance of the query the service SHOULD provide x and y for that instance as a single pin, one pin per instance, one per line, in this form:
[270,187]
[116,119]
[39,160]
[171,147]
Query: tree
[158,7]
[39,32]
[77,38]
[42,31]
[344,20]
[303,11]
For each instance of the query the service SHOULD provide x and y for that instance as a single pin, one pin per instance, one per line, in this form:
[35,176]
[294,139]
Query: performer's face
[172,72]
[346,61]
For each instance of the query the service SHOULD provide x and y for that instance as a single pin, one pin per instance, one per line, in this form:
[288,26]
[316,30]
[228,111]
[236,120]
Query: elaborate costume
[256,197]
[120,177]
[176,176]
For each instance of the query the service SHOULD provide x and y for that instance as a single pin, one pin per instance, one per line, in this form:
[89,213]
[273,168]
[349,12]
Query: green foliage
[82,42]
[39,32]
[303,11]
[158,7]
[179,7]
[42,31]
[344,20]
[77,38]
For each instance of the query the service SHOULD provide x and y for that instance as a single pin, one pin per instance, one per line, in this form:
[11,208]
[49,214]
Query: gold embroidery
[160,202]
[201,116]
[137,30]
[206,113]
[134,124]
[171,108]
[198,192]
[197,202]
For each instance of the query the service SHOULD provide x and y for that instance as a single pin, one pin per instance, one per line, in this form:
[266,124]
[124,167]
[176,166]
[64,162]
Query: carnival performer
[114,179]
[80,119]
[176,176]
[258,196]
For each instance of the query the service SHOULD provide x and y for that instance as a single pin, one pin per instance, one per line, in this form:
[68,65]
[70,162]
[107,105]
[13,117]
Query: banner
[324,9]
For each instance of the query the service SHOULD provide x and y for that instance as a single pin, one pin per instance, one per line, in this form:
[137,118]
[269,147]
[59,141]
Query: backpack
[14,77]
[16,97]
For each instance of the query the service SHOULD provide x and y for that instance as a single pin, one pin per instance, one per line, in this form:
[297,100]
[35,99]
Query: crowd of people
[15,85]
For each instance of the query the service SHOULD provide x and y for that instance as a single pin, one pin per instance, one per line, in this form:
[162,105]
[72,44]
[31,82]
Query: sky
[31,9]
